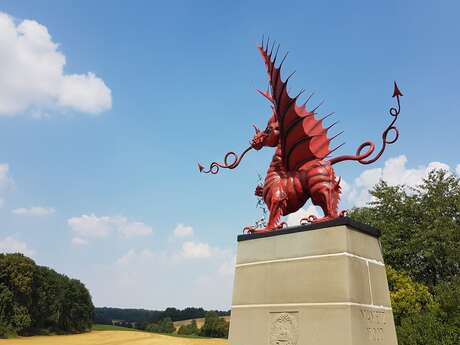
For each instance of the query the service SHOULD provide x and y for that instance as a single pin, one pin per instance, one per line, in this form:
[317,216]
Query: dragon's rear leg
[326,199]
[324,190]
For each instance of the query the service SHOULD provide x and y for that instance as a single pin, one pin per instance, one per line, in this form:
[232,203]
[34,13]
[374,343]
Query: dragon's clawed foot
[254,230]
[344,213]
[311,219]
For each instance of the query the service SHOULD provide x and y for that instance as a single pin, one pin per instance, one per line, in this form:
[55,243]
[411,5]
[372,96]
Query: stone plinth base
[320,284]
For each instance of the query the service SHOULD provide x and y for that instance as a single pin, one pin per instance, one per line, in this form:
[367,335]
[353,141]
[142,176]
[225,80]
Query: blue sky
[98,155]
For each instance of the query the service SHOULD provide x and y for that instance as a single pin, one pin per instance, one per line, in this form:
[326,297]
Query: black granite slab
[361,227]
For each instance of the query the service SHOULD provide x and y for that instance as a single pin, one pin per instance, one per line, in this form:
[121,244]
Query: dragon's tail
[361,156]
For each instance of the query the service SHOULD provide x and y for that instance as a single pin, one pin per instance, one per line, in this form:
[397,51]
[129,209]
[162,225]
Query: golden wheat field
[112,338]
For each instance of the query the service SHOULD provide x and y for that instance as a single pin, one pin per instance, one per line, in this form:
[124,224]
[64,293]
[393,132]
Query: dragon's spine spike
[328,142]
[273,67]
[266,94]
[285,83]
[266,45]
[276,54]
[316,108]
[282,61]
[271,50]
[320,121]
[328,128]
[291,102]
[308,99]
[289,77]
[299,94]
[335,136]
[324,117]
[335,149]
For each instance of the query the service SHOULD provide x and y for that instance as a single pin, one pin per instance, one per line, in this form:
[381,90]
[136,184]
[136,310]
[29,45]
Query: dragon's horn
[256,129]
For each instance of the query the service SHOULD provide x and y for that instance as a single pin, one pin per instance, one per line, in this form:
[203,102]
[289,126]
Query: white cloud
[36,211]
[6,182]
[86,227]
[196,250]
[294,219]
[78,241]
[32,74]
[457,169]
[135,257]
[11,245]
[129,229]
[85,93]
[90,226]
[394,173]
[5,179]
[182,230]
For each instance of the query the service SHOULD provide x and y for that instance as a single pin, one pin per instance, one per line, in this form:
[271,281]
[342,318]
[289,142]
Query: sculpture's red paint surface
[300,168]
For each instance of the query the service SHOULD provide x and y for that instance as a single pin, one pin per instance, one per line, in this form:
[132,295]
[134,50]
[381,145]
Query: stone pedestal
[319,284]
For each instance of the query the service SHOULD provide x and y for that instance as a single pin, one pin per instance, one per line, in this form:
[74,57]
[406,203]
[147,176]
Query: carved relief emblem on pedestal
[284,329]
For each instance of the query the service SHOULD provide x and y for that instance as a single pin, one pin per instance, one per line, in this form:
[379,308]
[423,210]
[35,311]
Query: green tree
[447,296]
[48,295]
[167,326]
[214,326]
[163,326]
[35,299]
[6,311]
[16,286]
[421,241]
[190,329]
[426,329]
[420,226]
[153,327]
[77,308]
[407,296]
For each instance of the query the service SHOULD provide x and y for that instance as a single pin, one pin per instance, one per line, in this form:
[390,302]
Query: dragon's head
[267,137]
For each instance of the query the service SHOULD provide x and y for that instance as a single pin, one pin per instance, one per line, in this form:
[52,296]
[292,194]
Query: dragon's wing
[303,137]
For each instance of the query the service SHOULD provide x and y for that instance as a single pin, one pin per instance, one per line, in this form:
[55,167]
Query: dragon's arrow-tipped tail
[231,161]
[396,92]
[361,156]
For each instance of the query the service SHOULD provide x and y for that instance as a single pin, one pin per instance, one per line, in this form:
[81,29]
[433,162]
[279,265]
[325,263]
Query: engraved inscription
[376,320]
[375,333]
[284,328]
[374,316]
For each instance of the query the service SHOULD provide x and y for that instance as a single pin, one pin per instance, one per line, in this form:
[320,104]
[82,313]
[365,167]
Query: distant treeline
[140,317]
[37,300]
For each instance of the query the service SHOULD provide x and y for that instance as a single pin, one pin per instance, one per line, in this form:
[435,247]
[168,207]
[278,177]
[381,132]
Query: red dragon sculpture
[301,167]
